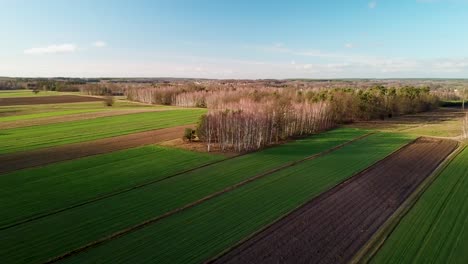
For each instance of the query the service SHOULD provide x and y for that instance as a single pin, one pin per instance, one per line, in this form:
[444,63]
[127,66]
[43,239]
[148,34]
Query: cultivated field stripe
[205,159]
[75,116]
[198,233]
[216,194]
[331,228]
[36,137]
[53,99]
[377,240]
[45,156]
[434,230]
[48,237]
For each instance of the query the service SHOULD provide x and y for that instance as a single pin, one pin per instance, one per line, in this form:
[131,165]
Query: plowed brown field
[335,225]
[59,99]
[11,162]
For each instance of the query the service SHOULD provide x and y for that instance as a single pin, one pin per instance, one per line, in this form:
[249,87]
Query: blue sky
[235,39]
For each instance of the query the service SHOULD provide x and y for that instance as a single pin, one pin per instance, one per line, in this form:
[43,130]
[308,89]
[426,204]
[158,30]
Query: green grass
[36,191]
[47,114]
[25,93]
[48,237]
[435,230]
[15,113]
[201,232]
[35,137]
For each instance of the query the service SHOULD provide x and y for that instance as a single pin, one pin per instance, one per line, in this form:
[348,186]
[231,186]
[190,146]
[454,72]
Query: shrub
[109,100]
[189,134]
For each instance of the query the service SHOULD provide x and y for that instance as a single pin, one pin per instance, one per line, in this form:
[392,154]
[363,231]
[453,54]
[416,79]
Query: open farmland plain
[83,182]
[32,240]
[200,232]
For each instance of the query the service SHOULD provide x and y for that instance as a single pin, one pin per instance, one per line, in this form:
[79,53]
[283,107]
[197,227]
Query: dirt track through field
[335,225]
[22,160]
[59,99]
[75,117]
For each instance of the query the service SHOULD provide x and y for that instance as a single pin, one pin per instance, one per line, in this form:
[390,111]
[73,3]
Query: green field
[27,93]
[47,114]
[199,233]
[435,229]
[69,183]
[15,113]
[34,137]
[51,236]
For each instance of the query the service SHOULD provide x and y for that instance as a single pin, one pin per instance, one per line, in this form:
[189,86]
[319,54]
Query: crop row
[56,234]
[201,232]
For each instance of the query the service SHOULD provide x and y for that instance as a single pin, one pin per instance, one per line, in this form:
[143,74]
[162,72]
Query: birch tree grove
[248,117]
[248,125]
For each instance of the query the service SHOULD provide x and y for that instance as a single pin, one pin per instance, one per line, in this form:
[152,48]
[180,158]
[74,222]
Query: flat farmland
[44,156]
[49,237]
[21,116]
[435,229]
[201,232]
[88,178]
[333,227]
[35,137]
[52,99]
[26,93]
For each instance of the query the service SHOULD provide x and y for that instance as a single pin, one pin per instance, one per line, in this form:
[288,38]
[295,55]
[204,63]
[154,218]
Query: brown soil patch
[74,117]
[335,225]
[59,99]
[40,157]
[197,146]
[437,116]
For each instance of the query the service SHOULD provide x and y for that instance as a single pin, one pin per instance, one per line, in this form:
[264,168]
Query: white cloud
[349,45]
[61,48]
[372,4]
[99,44]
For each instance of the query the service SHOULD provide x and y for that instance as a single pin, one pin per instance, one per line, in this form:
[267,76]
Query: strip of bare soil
[335,225]
[75,117]
[59,99]
[22,160]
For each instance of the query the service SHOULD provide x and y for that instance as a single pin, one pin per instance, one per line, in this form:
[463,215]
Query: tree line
[248,116]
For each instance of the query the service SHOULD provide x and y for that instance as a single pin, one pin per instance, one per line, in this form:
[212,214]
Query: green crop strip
[32,192]
[56,234]
[34,137]
[48,114]
[26,93]
[435,229]
[201,232]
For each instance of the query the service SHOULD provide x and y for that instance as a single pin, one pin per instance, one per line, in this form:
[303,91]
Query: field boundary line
[332,188]
[368,251]
[199,201]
